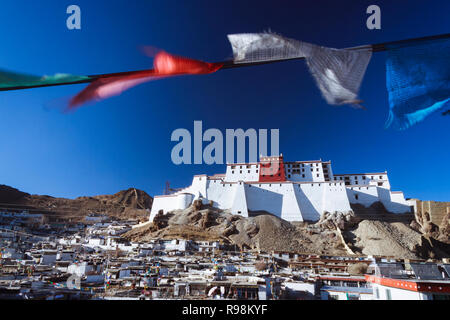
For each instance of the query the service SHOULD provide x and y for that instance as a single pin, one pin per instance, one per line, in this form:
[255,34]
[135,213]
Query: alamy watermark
[374,20]
[74,281]
[73,22]
[213,152]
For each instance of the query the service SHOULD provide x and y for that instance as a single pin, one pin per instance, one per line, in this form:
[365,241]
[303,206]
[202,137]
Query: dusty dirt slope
[262,231]
[384,238]
[126,204]
[339,234]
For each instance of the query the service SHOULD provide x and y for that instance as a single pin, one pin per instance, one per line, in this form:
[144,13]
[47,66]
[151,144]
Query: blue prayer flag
[417,80]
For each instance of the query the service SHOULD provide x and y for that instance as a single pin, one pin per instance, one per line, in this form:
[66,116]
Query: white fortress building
[293,191]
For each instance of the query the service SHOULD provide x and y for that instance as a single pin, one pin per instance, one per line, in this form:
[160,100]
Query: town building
[410,281]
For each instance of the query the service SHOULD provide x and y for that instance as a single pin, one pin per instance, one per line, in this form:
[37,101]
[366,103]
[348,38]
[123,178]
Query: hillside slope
[126,204]
[334,234]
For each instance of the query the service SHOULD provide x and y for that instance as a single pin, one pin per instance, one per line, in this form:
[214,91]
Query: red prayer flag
[165,65]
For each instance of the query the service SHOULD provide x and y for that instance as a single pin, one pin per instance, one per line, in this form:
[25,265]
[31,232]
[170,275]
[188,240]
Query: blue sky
[125,141]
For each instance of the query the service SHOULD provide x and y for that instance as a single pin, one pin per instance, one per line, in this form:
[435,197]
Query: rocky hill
[335,234]
[126,204]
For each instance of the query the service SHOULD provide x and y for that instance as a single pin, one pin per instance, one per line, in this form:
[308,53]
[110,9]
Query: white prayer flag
[337,72]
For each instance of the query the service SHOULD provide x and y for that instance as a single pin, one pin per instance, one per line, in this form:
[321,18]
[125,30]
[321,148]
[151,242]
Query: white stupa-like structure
[294,191]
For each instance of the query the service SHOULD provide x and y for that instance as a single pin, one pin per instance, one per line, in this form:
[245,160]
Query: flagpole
[229,64]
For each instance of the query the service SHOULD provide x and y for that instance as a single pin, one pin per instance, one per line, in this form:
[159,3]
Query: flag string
[229,64]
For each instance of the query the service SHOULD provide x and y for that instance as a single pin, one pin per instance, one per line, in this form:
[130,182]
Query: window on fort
[256,171]
[240,171]
[317,175]
[317,169]
[372,177]
[381,177]
[232,172]
[356,196]
[233,167]
[303,175]
[380,184]
[312,169]
[289,175]
[364,177]
[248,171]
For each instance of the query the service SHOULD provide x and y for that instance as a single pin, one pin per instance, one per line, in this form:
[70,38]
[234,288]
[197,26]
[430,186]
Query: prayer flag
[417,80]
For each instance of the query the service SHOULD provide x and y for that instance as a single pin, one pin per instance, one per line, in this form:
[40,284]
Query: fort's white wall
[297,201]
[165,203]
[199,184]
[220,193]
[335,197]
[310,196]
[394,202]
[265,197]
[290,209]
[366,195]
[239,205]
[184,200]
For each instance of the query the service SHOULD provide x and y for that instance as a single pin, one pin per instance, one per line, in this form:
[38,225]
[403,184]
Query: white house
[409,289]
